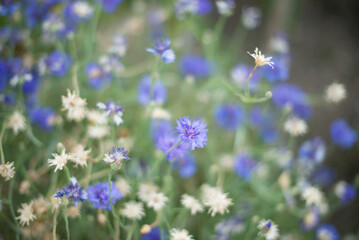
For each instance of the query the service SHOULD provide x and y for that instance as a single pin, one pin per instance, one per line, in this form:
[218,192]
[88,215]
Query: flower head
[116,156]
[312,151]
[58,63]
[74,105]
[229,116]
[80,155]
[335,93]
[192,65]
[112,109]
[327,232]
[17,122]
[345,192]
[251,17]
[295,126]
[342,134]
[73,191]
[225,7]
[216,200]
[268,229]
[98,195]
[7,170]
[26,214]
[177,234]
[260,59]
[310,219]
[163,49]
[59,160]
[191,203]
[133,210]
[156,200]
[145,190]
[194,133]
[244,166]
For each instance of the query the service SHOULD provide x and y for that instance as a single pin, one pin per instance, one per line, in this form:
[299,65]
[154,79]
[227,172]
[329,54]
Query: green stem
[12,211]
[66,223]
[249,78]
[1,148]
[54,223]
[117,218]
[67,172]
[131,231]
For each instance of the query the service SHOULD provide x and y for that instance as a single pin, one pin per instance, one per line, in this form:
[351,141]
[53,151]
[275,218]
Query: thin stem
[117,219]
[1,148]
[67,172]
[131,231]
[54,225]
[11,187]
[66,223]
[249,78]
[75,81]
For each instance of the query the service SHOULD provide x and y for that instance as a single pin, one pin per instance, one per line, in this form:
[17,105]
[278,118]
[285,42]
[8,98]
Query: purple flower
[163,49]
[154,234]
[229,116]
[36,11]
[194,133]
[345,191]
[58,63]
[280,72]
[244,166]
[186,165]
[327,232]
[112,109]
[166,142]
[312,151]
[342,134]
[109,6]
[78,11]
[43,117]
[323,176]
[116,156]
[291,95]
[160,128]
[194,65]
[73,191]
[96,76]
[32,83]
[98,195]
[158,93]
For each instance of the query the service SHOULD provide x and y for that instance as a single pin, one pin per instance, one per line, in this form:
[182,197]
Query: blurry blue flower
[345,191]
[194,133]
[154,234]
[116,156]
[160,128]
[186,165]
[10,35]
[342,134]
[109,6]
[78,11]
[234,225]
[96,76]
[54,27]
[310,219]
[280,72]
[323,176]
[73,191]
[36,11]
[264,123]
[43,117]
[327,232]
[8,7]
[119,45]
[244,165]
[98,195]
[194,65]
[8,99]
[199,7]
[58,63]
[158,93]
[279,43]
[240,74]
[166,142]
[229,116]
[31,83]
[112,109]
[251,17]
[163,49]
[312,151]
[285,95]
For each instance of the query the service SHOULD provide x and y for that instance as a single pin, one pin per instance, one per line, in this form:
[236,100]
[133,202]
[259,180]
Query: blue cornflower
[323,176]
[109,6]
[32,83]
[112,109]
[199,7]
[160,128]
[264,123]
[163,49]
[229,116]
[73,191]
[345,191]
[36,11]
[240,75]
[310,219]
[281,70]
[165,143]
[158,93]
[8,7]
[98,195]
[44,117]
[78,11]
[195,66]
[312,151]
[327,232]
[194,133]
[58,63]
[186,165]
[116,156]
[342,134]
[244,165]
[285,95]
[153,234]
[97,77]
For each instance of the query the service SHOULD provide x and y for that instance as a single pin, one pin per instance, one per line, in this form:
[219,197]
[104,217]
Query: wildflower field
[154,120]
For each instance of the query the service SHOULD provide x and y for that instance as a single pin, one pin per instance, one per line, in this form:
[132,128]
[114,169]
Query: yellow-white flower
[268,229]
[133,210]
[98,131]
[123,186]
[260,59]
[7,170]
[295,126]
[80,155]
[312,195]
[157,201]
[59,160]
[74,105]
[191,203]
[180,234]
[26,214]
[335,92]
[17,122]
[216,200]
[146,189]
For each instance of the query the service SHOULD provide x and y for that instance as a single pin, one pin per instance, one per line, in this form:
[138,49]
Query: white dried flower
[157,201]
[123,186]
[59,160]
[146,189]
[26,214]
[74,105]
[98,131]
[335,93]
[17,122]
[80,155]
[133,210]
[260,59]
[191,203]
[268,229]
[7,170]
[216,200]
[312,195]
[83,9]
[180,234]
[295,126]
[95,117]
